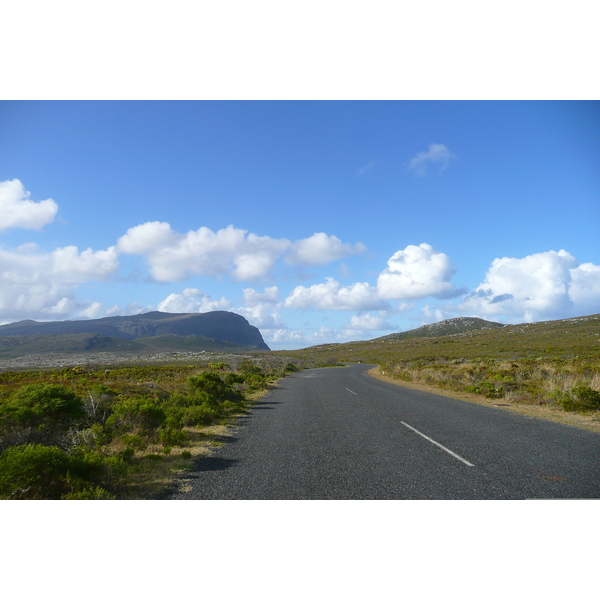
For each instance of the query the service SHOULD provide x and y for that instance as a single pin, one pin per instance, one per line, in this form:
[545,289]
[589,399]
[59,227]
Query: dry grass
[553,413]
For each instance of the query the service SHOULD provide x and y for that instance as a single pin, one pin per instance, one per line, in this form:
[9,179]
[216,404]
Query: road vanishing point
[340,434]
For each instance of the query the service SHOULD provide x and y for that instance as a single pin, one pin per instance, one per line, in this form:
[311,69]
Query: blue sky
[319,221]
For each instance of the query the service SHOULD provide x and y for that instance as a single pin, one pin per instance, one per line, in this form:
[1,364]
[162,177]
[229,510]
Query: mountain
[447,327]
[218,329]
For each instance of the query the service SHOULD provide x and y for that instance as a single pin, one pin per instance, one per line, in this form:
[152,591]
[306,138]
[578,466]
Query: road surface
[338,433]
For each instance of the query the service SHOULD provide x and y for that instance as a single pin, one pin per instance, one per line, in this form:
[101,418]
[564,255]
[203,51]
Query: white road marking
[352,392]
[439,445]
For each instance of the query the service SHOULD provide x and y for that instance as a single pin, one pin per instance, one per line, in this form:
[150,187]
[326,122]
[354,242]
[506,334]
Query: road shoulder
[548,413]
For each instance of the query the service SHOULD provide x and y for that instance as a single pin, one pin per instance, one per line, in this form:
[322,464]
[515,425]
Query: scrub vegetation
[120,433]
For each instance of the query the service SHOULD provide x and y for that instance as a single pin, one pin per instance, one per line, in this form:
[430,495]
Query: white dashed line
[352,392]
[439,445]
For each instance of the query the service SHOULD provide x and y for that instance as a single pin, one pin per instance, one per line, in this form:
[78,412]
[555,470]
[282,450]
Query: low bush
[202,414]
[38,472]
[143,414]
[173,437]
[581,398]
[39,414]
[40,403]
[83,434]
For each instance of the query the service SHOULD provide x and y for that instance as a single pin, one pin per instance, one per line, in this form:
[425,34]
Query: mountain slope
[447,327]
[222,326]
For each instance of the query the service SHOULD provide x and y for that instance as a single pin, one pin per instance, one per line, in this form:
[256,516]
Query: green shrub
[588,397]
[229,407]
[137,414]
[39,414]
[38,472]
[581,398]
[174,417]
[202,414]
[194,398]
[216,389]
[218,366]
[33,471]
[173,437]
[134,441]
[41,403]
[234,378]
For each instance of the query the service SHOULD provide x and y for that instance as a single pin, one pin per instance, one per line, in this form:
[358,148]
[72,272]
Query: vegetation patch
[121,433]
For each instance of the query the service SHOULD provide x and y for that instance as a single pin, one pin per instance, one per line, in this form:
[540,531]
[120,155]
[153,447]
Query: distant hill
[217,330]
[447,327]
[563,339]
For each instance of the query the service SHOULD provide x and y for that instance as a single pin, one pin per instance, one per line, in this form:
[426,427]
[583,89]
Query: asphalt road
[338,433]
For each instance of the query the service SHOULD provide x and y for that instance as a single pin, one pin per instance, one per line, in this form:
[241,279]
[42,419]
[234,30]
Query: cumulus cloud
[133,308]
[435,154]
[417,272]
[412,274]
[16,210]
[94,310]
[253,298]
[245,256]
[34,284]
[285,336]
[546,285]
[367,322]
[263,316]
[321,248]
[192,300]
[331,295]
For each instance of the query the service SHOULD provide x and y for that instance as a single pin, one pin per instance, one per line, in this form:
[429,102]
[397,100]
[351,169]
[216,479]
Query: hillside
[212,331]
[561,339]
[447,327]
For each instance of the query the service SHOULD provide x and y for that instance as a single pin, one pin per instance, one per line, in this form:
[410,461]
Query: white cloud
[133,308]
[432,315]
[367,322]
[192,300]
[436,153]
[321,248]
[252,297]
[16,210]
[94,310]
[412,274]
[34,284]
[262,316]
[546,285]
[245,256]
[585,287]
[282,336]
[417,272]
[147,238]
[64,306]
[333,296]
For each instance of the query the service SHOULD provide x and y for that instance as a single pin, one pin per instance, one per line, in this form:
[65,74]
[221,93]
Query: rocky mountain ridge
[198,330]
